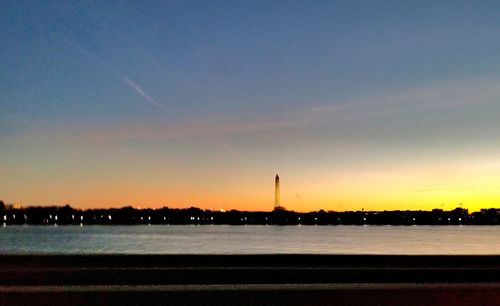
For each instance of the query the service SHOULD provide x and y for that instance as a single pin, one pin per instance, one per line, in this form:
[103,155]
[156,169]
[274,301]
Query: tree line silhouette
[65,215]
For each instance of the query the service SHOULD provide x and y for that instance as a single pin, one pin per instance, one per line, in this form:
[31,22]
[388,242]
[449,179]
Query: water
[222,239]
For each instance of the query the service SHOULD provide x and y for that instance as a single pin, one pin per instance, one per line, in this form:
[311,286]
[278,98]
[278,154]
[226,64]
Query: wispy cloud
[443,95]
[214,128]
[350,116]
[438,97]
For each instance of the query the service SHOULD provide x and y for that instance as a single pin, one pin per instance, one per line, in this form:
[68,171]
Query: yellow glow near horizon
[411,187]
[111,176]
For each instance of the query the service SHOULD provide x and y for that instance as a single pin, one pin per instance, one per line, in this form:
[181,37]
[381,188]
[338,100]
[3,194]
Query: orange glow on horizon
[418,186]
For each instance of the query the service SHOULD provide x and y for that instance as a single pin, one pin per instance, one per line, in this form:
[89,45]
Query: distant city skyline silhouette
[279,215]
[278,205]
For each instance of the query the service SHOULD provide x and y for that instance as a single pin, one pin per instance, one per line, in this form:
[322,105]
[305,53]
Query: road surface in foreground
[249,280]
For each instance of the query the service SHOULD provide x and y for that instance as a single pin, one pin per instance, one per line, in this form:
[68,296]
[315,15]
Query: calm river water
[222,239]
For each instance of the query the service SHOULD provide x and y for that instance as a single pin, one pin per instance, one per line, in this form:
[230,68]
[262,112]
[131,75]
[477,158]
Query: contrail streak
[145,95]
[141,92]
[234,151]
[122,77]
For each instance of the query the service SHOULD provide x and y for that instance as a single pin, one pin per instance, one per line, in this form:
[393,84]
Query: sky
[374,105]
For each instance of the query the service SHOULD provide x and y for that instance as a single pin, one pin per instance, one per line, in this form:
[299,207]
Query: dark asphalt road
[249,280]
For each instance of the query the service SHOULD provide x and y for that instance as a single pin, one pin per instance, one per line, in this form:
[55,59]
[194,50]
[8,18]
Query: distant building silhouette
[277,204]
[62,215]
[276,191]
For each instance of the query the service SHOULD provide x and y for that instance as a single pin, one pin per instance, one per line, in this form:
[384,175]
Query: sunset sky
[356,104]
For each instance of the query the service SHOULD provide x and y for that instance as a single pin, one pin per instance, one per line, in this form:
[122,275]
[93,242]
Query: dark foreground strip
[238,275]
[273,260]
[246,269]
[291,294]
[249,280]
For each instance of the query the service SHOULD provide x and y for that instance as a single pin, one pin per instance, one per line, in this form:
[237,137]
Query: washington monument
[277,192]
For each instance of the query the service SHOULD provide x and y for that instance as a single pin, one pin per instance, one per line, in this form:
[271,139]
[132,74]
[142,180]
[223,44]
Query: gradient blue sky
[357,104]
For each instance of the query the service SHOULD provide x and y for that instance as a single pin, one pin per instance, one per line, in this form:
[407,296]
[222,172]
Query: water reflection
[225,239]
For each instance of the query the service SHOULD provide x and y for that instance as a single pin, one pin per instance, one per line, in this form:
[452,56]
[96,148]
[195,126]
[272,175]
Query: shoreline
[51,215]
